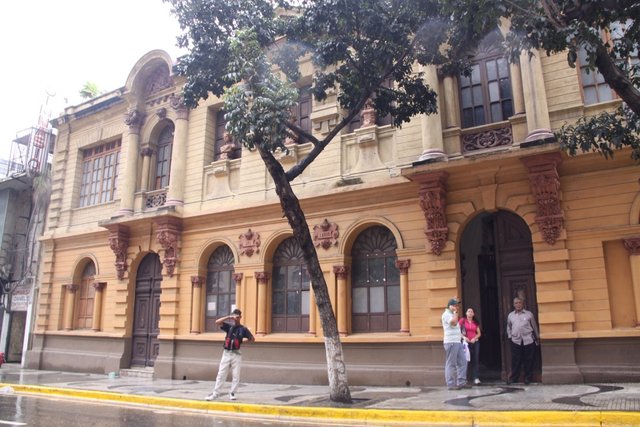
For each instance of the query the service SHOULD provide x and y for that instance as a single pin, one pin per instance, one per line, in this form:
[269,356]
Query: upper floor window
[301,112]
[99,173]
[163,157]
[375,282]
[225,147]
[221,291]
[86,296]
[290,293]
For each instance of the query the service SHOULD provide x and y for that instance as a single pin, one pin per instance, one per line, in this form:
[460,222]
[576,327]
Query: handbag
[467,353]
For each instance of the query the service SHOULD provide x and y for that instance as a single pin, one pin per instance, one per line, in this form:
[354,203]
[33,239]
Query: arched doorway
[496,257]
[147,312]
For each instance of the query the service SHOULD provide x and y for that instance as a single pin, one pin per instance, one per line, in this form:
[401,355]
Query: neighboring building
[23,205]
[159,223]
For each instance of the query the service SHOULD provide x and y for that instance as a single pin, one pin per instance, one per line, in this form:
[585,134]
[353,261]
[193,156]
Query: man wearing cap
[455,368]
[231,357]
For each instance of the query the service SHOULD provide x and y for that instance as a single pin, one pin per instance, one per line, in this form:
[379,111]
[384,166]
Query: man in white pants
[231,357]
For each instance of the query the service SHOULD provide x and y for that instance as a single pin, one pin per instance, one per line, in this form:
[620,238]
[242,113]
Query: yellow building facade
[158,224]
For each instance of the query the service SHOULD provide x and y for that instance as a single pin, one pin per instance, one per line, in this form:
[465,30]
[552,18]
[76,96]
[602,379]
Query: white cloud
[55,46]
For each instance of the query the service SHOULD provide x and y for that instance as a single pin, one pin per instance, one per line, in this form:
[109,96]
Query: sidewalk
[486,404]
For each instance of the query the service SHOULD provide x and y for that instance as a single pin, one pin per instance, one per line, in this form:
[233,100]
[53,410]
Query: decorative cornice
[545,186]
[341,271]
[433,201]
[197,281]
[325,234]
[403,265]
[168,230]
[249,243]
[632,245]
[119,243]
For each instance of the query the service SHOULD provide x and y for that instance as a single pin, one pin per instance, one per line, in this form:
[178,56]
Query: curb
[351,416]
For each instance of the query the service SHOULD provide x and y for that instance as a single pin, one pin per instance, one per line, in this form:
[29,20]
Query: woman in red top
[471,334]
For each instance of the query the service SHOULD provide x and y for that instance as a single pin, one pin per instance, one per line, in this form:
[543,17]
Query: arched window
[86,295]
[375,282]
[290,290]
[485,94]
[163,157]
[221,291]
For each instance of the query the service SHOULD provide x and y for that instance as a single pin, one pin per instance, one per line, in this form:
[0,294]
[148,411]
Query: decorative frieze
[491,138]
[433,201]
[325,234]
[545,186]
[249,243]
[119,243]
[168,230]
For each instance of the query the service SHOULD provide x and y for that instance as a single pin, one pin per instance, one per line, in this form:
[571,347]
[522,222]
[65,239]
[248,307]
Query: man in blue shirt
[231,357]
[455,368]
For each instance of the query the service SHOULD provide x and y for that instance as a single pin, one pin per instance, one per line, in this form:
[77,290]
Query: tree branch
[617,80]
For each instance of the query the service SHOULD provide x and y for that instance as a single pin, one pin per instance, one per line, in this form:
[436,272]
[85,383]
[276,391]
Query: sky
[49,49]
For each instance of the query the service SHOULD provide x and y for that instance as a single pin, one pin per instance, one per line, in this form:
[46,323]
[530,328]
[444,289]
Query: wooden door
[516,276]
[146,318]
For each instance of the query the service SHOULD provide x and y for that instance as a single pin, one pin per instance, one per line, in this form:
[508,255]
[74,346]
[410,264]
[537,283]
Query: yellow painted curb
[406,416]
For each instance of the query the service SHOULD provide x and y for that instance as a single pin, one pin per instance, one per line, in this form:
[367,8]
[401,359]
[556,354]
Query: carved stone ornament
[632,245]
[249,243]
[168,235]
[262,277]
[368,114]
[71,288]
[237,277]
[161,113]
[433,201]
[134,118]
[226,150]
[341,271]
[99,286]
[119,243]
[403,265]
[146,152]
[197,281]
[177,103]
[545,186]
[325,234]
[491,138]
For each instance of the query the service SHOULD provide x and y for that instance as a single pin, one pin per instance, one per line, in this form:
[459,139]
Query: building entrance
[146,318]
[496,256]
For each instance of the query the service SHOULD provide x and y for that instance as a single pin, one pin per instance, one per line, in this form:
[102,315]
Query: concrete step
[137,372]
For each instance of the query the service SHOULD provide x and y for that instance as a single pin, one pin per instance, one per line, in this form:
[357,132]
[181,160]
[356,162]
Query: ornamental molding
[262,277]
[197,281]
[134,119]
[249,243]
[237,277]
[433,201]
[168,231]
[325,234]
[119,244]
[403,265]
[545,186]
[99,286]
[487,139]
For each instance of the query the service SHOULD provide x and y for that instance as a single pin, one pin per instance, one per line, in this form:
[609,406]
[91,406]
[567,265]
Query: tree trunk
[336,369]
[617,80]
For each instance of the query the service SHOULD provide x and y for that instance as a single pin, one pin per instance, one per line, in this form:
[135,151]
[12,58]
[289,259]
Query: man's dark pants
[522,357]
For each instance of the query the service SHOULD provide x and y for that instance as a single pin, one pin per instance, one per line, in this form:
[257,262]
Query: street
[52,412]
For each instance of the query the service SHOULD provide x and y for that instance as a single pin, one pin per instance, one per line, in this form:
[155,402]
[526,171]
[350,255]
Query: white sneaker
[476,381]
[212,396]
[232,396]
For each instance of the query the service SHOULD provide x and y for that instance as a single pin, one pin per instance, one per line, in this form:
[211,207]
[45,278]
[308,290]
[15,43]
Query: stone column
[341,272]
[632,245]
[196,304]
[237,278]
[535,98]
[146,154]
[403,265]
[175,195]
[133,119]
[431,125]
[97,305]
[450,103]
[263,278]
[69,306]
[516,89]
